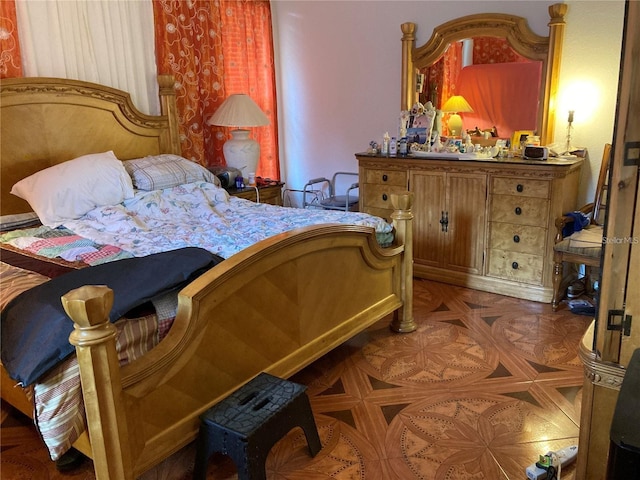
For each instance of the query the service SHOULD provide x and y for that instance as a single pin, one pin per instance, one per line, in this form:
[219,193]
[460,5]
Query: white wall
[591,64]
[338,67]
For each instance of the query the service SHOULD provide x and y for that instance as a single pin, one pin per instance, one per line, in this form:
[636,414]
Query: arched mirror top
[518,34]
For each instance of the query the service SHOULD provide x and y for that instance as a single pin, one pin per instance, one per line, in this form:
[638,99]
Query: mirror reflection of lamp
[456,105]
[240,151]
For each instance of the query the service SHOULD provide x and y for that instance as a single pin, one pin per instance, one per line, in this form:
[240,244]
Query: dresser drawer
[517,238]
[519,210]
[519,267]
[522,187]
[386,177]
[379,196]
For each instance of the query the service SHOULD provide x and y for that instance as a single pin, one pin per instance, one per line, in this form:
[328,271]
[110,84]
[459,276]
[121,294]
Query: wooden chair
[585,246]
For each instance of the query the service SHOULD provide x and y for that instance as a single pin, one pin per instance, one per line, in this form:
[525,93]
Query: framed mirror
[516,32]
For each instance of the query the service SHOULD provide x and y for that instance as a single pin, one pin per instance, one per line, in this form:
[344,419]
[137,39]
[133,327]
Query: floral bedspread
[203,215]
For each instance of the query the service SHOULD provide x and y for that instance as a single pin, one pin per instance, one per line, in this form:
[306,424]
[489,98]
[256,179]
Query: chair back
[602,187]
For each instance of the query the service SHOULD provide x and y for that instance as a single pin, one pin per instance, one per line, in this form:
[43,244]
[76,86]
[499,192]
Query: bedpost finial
[89,305]
[557,12]
[402,201]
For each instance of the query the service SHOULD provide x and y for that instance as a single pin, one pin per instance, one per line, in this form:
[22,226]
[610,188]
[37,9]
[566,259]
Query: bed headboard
[46,121]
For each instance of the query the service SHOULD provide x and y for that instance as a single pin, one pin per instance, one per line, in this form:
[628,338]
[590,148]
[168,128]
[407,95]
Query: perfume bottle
[393,146]
[402,146]
[385,144]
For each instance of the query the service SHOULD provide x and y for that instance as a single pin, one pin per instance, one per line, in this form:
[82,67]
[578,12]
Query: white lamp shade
[239,110]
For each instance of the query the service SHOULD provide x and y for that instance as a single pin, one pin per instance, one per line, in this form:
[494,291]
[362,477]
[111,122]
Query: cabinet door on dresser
[449,220]
[518,213]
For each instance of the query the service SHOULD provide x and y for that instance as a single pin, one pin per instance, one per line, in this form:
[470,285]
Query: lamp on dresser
[455,105]
[240,151]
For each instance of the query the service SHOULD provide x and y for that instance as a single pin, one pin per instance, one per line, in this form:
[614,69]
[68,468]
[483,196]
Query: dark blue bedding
[35,328]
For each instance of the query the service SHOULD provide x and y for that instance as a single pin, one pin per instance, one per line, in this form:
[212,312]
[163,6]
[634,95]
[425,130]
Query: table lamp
[455,105]
[240,151]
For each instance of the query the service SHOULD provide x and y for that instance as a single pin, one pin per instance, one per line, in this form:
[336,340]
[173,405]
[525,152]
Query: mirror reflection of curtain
[494,50]
[497,84]
[441,77]
[492,100]
[502,95]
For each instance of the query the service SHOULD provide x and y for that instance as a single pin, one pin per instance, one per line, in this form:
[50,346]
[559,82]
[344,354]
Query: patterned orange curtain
[441,77]
[247,43]
[215,49]
[10,60]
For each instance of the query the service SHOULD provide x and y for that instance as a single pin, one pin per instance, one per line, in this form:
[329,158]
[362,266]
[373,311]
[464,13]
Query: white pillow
[70,189]
[156,172]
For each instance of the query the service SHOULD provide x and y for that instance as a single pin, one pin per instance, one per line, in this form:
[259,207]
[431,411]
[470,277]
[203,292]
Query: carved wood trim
[600,373]
[85,90]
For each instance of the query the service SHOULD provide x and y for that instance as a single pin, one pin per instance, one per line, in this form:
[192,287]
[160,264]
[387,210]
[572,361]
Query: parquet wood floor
[484,386]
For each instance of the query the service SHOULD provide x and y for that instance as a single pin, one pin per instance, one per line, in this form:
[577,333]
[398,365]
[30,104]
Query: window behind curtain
[108,42]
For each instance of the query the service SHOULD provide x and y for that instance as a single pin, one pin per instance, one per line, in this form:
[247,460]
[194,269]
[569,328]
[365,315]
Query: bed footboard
[274,307]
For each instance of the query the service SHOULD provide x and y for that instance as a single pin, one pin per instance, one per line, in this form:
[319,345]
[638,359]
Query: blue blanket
[36,329]
[580,220]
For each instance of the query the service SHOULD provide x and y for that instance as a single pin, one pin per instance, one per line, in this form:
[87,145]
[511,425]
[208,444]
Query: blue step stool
[247,423]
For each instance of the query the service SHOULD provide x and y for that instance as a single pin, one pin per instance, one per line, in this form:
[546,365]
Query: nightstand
[271,193]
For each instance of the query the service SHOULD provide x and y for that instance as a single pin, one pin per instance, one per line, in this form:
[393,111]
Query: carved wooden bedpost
[95,340]
[402,217]
[169,108]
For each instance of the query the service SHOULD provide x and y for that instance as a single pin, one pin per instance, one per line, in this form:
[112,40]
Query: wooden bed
[274,307]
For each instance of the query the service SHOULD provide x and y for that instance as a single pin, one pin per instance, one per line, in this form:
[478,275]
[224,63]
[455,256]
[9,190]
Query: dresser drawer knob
[385,177]
[520,187]
[516,238]
[514,265]
[518,211]
[384,197]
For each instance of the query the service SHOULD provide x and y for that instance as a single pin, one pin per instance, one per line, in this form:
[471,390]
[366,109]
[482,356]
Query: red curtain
[249,68]
[10,60]
[441,77]
[189,47]
[215,49]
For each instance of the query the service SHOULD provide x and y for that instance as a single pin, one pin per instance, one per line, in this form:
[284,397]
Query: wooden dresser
[486,224]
